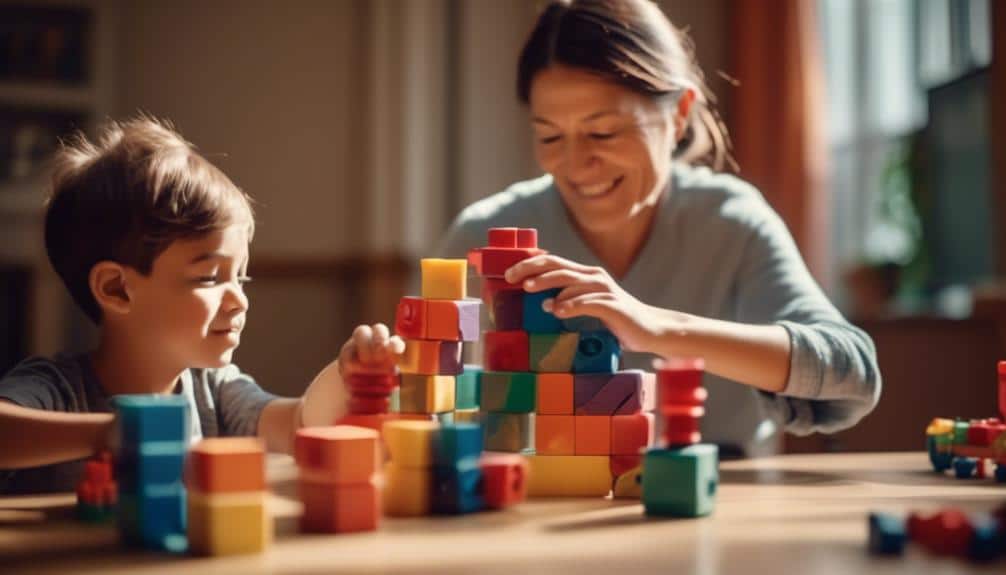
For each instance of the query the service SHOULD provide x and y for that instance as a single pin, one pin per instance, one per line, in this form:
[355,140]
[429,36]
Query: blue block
[457,490]
[887,534]
[154,463]
[985,543]
[680,482]
[583,323]
[152,417]
[598,352]
[456,444]
[466,391]
[537,320]
[154,518]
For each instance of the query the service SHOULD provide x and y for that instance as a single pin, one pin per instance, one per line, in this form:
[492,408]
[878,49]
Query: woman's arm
[33,437]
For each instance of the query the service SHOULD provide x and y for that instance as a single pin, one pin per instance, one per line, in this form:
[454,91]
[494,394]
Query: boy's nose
[236,299]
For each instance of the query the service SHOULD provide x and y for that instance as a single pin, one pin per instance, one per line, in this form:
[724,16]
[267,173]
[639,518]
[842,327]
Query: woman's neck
[618,248]
[123,365]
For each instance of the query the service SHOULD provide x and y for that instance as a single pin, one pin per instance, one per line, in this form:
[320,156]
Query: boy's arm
[33,437]
[279,420]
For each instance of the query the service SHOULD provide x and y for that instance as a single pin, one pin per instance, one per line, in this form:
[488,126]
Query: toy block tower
[97,492]
[680,476]
[338,482]
[551,389]
[435,327]
[153,440]
[369,400]
[227,497]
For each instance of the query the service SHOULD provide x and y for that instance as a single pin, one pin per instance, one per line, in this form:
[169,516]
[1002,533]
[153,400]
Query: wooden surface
[787,514]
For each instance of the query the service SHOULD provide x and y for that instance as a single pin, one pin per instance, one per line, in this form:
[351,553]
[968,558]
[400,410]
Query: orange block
[376,421]
[227,464]
[330,508]
[554,435]
[593,434]
[342,453]
[631,433]
[442,320]
[555,393]
[420,356]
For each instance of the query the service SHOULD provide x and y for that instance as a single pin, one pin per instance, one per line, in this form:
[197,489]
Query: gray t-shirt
[222,402]
[717,250]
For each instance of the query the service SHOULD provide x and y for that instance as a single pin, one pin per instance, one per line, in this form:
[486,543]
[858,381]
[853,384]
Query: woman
[676,260]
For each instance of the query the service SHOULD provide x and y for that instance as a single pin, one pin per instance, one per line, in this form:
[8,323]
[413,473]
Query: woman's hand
[591,291]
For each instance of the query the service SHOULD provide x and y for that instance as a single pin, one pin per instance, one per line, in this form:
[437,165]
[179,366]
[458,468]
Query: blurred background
[361,127]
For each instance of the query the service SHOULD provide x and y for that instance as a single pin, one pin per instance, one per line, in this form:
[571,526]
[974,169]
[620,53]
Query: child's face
[192,305]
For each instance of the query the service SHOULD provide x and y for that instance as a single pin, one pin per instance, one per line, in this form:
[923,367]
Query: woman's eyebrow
[591,117]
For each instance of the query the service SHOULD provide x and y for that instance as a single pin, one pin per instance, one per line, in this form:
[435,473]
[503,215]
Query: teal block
[552,352]
[680,482]
[508,392]
[153,463]
[510,432]
[154,518]
[456,443]
[536,319]
[467,391]
[151,417]
[597,352]
[395,400]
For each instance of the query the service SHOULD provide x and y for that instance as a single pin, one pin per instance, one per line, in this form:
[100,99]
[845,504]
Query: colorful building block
[343,454]
[536,319]
[568,475]
[680,482]
[552,352]
[505,302]
[506,247]
[457,489]
[444,279]
[228,523]
[151,417]
[431,357]
[629,485]
[504,479]
[608,394]
[467,389]
[467,416]
[632,433]
[407,491]
[947,532]
[597,352]
[621,464]
[457,444]
[508,392]
[506,351]
[410,318]
[452,320]
[426,393]
[510,432]
[97,492]
[593,434]
[154,517]
[554,435]
[887,534]
[555,393]
[332,508]
[227,465]
[410,443]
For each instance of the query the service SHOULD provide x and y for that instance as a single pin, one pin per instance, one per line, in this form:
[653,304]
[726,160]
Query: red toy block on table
[226,465]
[344,509]
[506,351]
[983,432]
[97,492]
[504,479]
[507,246]
[681,398]
[948,532]
[342,453]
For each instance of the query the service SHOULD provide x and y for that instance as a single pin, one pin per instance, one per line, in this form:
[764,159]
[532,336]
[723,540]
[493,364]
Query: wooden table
[786,514]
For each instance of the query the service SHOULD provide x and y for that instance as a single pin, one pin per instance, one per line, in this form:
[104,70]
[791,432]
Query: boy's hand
[371,350]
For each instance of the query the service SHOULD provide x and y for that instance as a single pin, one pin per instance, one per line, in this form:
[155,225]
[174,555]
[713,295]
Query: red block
[506,351]
[620,464]
[410,318]
[372,385]
[368,405]
[948,532]
[1002,389]
[503,237]
[496,261]
[347,454]
[503,479]
[983,432]
[631,433]
[332,508]
[680,372]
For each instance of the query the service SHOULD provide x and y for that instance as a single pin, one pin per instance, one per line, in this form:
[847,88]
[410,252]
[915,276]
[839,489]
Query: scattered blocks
[444,279]
[338,478]
[680,482]
[597,352]
[97,492]
[887,534]
[506,351]
[504,479]
[507,392]
[552,352]
[568,475]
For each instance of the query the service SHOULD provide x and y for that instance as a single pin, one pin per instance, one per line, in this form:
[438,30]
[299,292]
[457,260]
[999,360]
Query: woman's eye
[548,139]
[602,135]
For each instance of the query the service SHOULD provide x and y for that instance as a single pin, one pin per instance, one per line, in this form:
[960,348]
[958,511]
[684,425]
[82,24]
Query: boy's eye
[602,135]
[548,139]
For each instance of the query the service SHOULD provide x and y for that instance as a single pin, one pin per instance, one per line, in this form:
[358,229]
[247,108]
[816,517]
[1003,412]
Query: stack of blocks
[227,497]
[439,468]
[369,400]
[551,388]
[679,478]
[97,492]
[153,440]
[339,482]
[434,327]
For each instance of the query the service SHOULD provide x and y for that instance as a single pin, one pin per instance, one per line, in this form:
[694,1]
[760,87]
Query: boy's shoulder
[58,383]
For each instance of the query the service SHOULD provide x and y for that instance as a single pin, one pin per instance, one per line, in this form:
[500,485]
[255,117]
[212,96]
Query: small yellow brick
[228,523]
[568,475]
[426,393]
[406,491]
[410,443]
[628,484]
[467,416]
[444,279]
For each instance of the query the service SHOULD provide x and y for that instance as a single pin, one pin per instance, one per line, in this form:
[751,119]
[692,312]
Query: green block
[395,400]
[680,482]
[961,432]
[508,392]
[553,352]
[468,384]
[510,432]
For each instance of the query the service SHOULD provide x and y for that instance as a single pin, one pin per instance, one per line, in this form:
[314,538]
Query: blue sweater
[717,250]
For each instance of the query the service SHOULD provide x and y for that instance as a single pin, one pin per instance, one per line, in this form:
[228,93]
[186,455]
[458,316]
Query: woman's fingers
[559,278]
[538,265]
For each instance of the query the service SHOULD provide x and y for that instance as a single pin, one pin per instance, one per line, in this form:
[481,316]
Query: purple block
[450,358]
[468,319]
[608,393]
[508,310]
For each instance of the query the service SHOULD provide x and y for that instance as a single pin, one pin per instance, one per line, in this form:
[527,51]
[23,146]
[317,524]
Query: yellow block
[406,490]
[410,443]
[228,523]
[568,475]
[426,393]
[628,484]
[467,416]
[444,279]
[940,426]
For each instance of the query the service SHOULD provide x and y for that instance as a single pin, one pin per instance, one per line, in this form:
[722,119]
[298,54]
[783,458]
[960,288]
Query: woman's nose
[579,155]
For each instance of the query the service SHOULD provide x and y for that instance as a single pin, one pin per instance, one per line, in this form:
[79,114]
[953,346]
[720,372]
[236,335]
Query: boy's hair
[127,197]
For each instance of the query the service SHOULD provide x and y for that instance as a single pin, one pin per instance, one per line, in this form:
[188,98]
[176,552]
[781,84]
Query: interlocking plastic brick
[151,417]
[452,320]
[509,392]
[504,479]
[227,464]
[555,393]
[554,435]
[431,357]
[426,393]
[597,352]
[342,453]
[444,279]
[467,392]
[410,318]
[154,517]
[553,352]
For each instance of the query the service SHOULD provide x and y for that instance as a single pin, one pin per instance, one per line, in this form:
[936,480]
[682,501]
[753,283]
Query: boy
[151,240]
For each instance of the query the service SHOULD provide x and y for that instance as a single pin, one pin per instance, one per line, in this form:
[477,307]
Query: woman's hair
[634,44]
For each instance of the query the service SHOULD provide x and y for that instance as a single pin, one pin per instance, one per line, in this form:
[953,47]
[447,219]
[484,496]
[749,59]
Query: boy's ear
[108,286]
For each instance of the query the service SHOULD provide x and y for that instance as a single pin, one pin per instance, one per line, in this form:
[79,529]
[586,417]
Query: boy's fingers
[381,334]
[362,337]
[396,345]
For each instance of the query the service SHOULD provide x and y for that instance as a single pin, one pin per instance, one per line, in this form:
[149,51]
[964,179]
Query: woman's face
[608,147]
